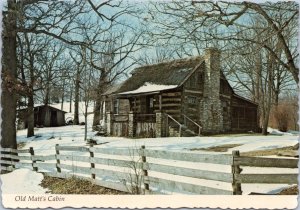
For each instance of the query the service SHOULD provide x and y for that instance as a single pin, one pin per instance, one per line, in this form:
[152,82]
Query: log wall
[244,115]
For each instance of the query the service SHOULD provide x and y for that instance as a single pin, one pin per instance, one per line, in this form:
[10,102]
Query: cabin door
[53,118]
[150,104]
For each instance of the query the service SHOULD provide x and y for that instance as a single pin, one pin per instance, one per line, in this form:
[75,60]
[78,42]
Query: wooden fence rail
[149,171]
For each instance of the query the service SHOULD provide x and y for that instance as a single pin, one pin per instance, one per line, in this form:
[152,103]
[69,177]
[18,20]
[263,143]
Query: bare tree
[112,65]
[30,48]
[219,21]
[77,59]
[87,86]
[58,15]
[258,42]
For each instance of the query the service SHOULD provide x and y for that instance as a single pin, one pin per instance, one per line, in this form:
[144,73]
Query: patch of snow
[273,131]
[149,87]
[293,132]
[22,181]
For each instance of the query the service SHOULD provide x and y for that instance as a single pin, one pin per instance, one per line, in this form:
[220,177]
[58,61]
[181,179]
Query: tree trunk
[30,119]
[85,121]
[9,74]
[101,110]
[76,102]
[63,95]
[258,86]
[100,89]
[70,110]
[97,108]
[47,95]
[268,92]
[265,128]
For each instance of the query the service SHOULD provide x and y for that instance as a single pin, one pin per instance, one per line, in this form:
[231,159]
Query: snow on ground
[280,133]
[22,181]
[73,135]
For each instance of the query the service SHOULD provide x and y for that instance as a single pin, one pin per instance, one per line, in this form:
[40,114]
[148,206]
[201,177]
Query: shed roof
[42,106]
[51,107]
[171,73]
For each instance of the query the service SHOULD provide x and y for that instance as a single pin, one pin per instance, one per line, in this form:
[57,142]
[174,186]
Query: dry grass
[75,186]
[289,191]
[220,148]
[268,152]
[235,134]
[21,145]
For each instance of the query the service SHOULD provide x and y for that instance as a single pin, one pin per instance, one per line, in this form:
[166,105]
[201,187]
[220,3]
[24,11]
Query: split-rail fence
[129,170]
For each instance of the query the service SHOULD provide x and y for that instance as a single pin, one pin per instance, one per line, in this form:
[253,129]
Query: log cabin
[182,97]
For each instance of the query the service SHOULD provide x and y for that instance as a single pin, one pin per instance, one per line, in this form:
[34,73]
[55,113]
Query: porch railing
[140,117]
[120,117]
[187,119]
[178,123]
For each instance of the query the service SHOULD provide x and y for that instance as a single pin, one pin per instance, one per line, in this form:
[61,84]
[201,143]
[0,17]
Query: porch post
[160,102]
[158,124]
[109,123]
[130,125]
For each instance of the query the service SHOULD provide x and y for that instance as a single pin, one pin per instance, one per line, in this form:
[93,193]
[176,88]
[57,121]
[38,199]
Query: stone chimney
[212,73]
[212,113]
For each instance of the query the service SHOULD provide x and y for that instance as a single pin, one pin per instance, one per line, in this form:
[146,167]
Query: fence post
[92,162]
[57,158]
[31,151]
[235,169]
[145,172]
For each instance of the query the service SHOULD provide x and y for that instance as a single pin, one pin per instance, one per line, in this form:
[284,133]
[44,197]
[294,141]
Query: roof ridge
[174,61]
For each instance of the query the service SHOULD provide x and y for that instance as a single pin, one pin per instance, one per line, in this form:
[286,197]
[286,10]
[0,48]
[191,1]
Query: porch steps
[185,132]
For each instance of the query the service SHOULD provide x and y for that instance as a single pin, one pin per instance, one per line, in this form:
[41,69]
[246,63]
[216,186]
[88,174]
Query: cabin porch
[150,115]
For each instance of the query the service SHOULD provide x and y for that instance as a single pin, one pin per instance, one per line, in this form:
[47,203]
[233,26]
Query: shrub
[282,116]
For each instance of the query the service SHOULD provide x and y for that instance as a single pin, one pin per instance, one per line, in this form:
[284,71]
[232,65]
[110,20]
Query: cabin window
[151,102]
[116,106]
[192,99]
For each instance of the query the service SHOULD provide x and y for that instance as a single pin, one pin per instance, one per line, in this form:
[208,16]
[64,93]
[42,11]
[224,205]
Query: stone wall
[131,125]
[159,121]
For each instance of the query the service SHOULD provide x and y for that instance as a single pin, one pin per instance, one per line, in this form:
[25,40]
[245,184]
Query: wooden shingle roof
[167,73]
